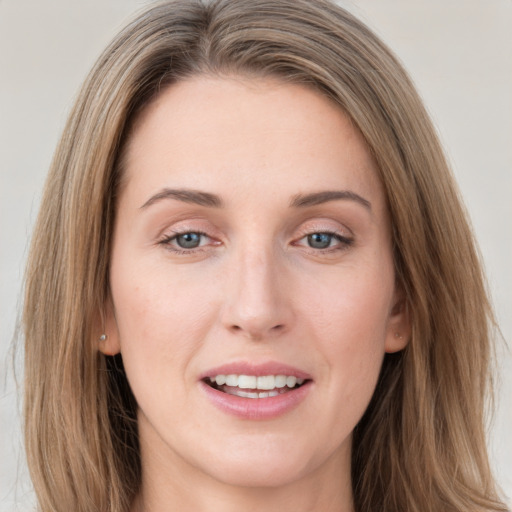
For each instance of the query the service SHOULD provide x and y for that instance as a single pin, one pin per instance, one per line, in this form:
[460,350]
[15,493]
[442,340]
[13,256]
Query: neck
[226,498]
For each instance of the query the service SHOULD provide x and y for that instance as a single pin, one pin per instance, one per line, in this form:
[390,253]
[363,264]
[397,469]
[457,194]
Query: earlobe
[396,343]
[108,339]
[108,346]
[399,326]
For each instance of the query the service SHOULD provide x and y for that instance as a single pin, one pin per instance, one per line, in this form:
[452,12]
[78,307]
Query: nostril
[255,331]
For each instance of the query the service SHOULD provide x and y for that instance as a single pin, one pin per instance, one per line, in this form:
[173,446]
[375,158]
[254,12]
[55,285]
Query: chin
[258,474]
[265,462]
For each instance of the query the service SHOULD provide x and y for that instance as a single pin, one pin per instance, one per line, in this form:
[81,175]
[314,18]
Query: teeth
[280,381]
[265,382]
[247,382]
[291,381]
[252,394]
[220,380]
[247,394]
[231,380]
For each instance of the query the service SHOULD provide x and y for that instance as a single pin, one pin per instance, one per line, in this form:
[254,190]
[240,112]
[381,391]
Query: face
[252,281]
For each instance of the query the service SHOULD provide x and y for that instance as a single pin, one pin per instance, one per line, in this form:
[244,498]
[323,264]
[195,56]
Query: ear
[108,340]
[399,323]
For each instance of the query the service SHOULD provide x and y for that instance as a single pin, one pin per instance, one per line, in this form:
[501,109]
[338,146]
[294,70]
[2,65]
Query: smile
[256,391]
[252,386]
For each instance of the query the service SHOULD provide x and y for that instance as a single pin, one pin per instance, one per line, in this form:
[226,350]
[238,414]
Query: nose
[257,304]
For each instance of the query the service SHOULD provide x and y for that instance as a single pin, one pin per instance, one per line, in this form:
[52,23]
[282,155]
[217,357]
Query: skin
[253,290]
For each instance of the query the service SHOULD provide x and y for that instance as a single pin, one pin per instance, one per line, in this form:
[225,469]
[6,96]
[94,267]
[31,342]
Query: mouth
[253,391]
[255,386]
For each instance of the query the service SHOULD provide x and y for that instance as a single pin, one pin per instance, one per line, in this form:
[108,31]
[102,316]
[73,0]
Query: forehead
[225,133]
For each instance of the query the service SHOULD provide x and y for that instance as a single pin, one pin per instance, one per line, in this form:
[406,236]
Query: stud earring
[399,336]
[103,337]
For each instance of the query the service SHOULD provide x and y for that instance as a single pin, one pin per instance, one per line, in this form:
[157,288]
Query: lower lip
[256,408]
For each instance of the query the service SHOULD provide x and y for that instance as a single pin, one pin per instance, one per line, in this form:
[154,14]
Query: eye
[325,241]
[320,240]
[186,241]
[189,240]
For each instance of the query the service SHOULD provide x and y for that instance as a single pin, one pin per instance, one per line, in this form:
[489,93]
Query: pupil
[319,240]
[188,240]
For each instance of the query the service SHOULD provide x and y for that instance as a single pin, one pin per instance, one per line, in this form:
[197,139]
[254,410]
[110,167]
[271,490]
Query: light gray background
[459,53]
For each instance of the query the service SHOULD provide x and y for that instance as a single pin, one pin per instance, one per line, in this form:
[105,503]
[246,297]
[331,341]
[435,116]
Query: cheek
[160,316]
[349,304]
[348,317]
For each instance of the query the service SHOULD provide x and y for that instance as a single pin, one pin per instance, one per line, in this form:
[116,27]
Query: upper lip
[257,369]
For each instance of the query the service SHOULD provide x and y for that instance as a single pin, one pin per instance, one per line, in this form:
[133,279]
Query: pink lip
[246,368]
[256,408]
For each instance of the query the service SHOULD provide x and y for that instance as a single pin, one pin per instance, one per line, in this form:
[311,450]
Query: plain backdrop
[459,53]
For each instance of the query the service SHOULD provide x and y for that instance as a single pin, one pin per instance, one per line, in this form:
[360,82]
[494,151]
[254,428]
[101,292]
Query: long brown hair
[421,444]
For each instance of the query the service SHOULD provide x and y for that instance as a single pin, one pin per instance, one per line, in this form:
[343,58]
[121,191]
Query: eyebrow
[186,196]
[213,201]
[315,198]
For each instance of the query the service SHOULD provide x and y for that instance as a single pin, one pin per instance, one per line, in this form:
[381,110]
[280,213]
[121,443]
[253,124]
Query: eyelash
[168,239]
[344,242]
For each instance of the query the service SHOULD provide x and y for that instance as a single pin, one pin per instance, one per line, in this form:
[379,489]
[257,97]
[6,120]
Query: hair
[421,443]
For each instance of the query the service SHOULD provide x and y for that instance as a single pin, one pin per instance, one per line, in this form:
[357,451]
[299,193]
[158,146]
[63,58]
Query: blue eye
[324,242]
[320,240]
[185,242]
[188,240]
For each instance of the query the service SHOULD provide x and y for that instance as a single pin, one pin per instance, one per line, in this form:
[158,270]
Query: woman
[252,283]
